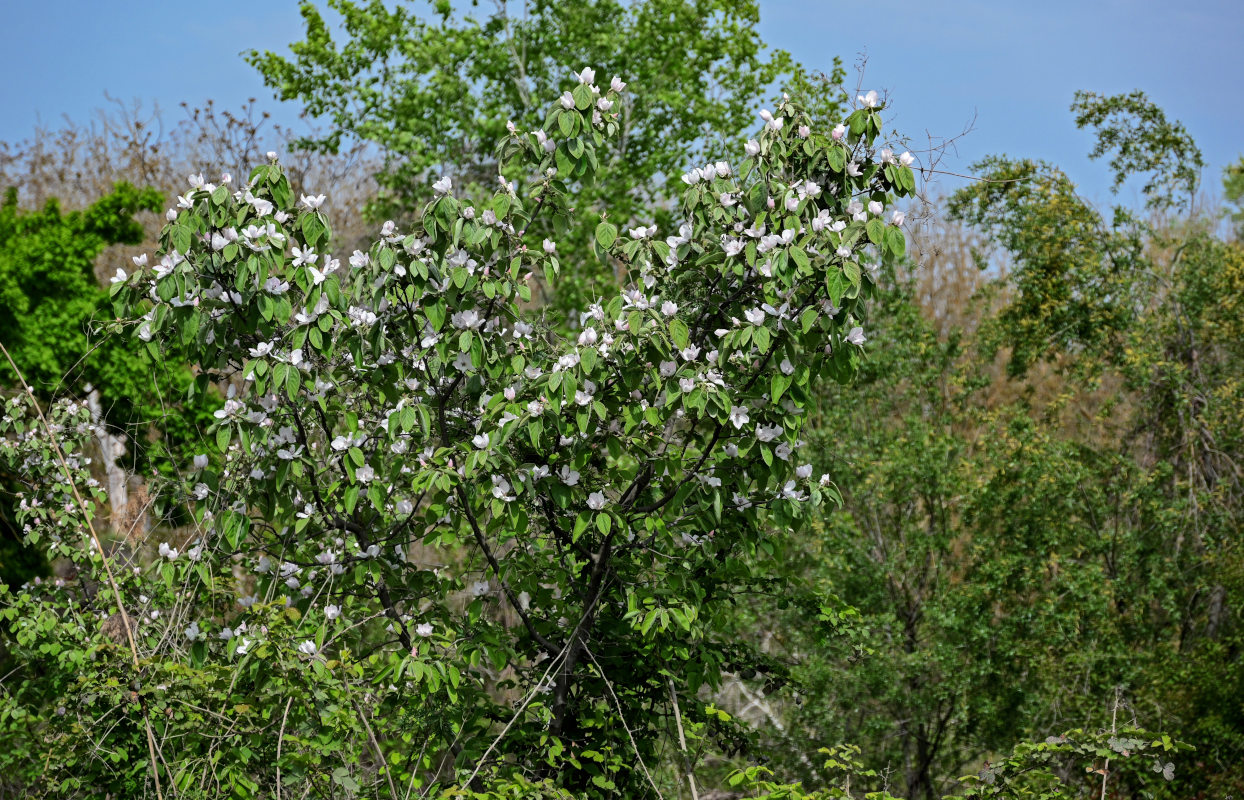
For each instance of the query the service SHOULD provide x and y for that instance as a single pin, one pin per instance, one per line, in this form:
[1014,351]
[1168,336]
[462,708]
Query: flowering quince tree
[437,543]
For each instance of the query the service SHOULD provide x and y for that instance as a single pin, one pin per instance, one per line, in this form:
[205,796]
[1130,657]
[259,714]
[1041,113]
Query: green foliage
[1143,141]
[48,291]
[433,91]
[1038,770]
[1233,192]
[1072,276]
[1020,547]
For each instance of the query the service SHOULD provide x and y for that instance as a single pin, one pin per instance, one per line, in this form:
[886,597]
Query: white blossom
[768,433]
[791,492]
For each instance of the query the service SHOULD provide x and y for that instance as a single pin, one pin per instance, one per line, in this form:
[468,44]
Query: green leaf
[808,319]
[777,385]
[679,333]
[436,314]
[587,359]
[761,337]
[182,238]
[896,241]
[801,259]
[851,270]
[606,234]
[582,97]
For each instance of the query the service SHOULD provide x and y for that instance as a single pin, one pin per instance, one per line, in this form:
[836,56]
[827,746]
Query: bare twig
[280,739]
[622,718]
[682,741]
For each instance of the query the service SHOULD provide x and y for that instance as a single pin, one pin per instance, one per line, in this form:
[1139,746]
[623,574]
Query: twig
[280,739]
[622,719]
[371,737]
[1105,770]
[526,701]
[682,741]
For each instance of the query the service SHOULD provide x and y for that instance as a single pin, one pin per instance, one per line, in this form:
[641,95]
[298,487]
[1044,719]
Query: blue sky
[1013,66]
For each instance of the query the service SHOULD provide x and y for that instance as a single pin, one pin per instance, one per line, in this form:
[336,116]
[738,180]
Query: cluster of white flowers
[420,377]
